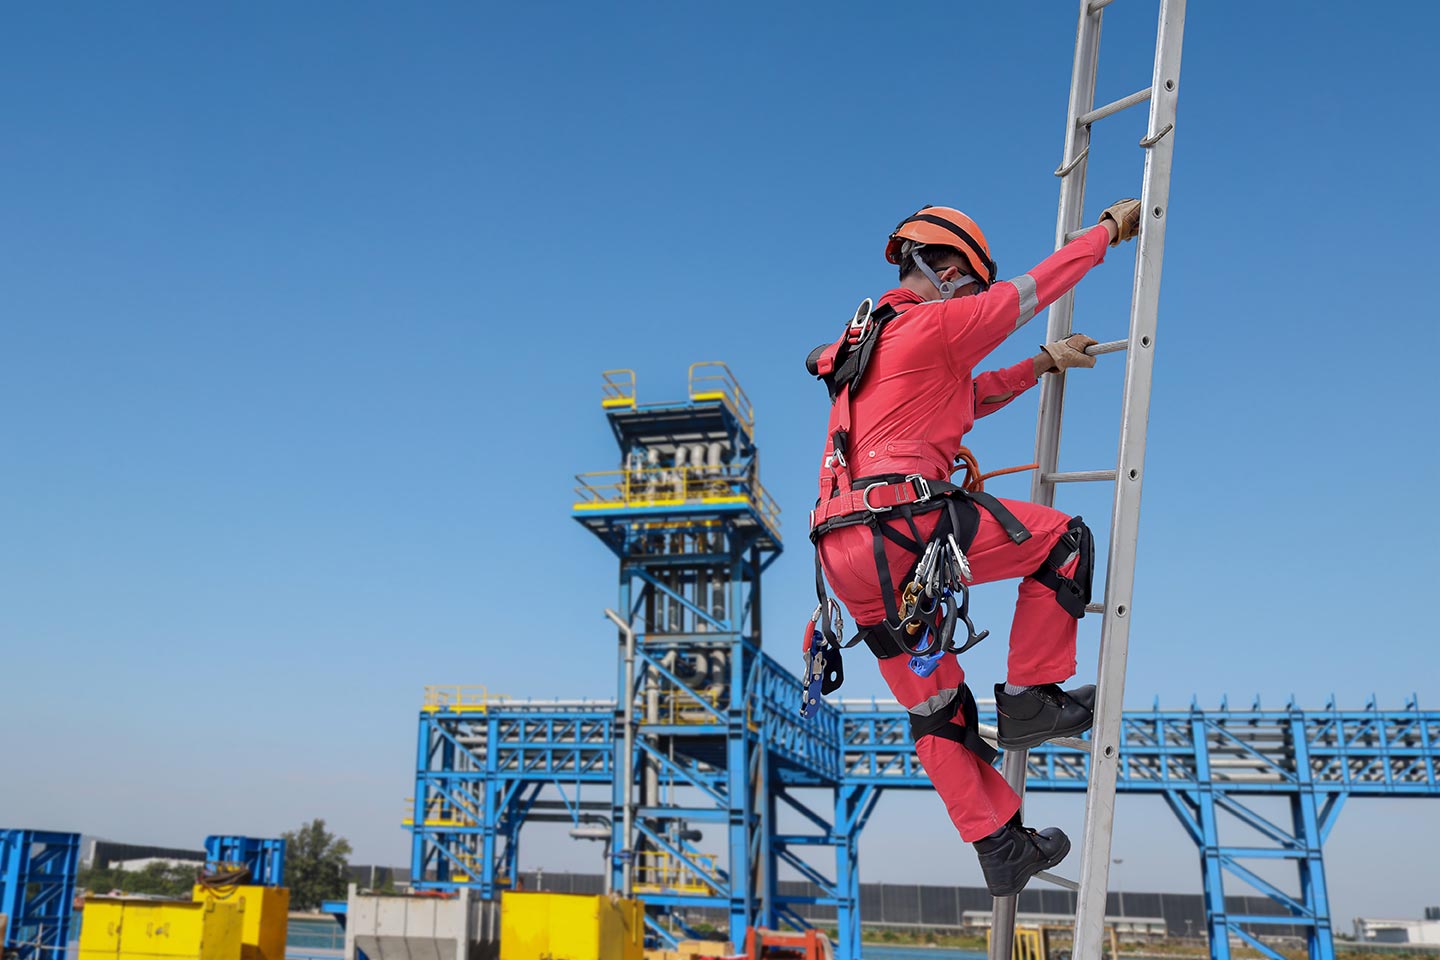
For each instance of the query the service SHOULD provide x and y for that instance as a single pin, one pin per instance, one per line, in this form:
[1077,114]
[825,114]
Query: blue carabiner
[924,664]
[815,666]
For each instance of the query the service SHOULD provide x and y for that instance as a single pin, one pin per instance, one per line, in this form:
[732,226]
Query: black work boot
[1010,858]
[1043,713]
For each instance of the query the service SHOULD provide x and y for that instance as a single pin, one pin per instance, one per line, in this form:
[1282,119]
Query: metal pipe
[1114,107]
[1058,880]
[1078,476]
[650,795]
[627,830]
[535,703]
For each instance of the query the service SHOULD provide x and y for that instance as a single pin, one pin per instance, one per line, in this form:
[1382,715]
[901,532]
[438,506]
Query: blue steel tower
[704,740]
[693,529]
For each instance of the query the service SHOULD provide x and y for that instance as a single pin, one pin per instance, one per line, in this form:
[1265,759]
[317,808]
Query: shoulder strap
[843,362]
[840,365]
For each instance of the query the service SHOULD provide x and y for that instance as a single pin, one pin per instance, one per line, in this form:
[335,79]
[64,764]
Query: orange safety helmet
[947,227]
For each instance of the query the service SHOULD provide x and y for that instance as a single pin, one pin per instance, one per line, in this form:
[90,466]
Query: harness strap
[882,641]
[1010,523]
[836,461]
[936,723]
[879,495]
[892,491]
[907,496]
[841,365]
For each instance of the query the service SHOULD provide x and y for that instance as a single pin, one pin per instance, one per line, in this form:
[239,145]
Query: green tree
[317,865]
[155,879]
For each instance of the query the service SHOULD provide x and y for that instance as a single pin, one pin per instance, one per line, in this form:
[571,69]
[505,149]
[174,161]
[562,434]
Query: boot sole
[1014,889]
[1025,743]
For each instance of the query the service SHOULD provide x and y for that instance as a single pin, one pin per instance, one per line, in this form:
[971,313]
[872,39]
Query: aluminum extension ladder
[1158,144]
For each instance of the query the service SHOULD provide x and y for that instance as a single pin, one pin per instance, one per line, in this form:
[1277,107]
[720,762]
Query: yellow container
[266,917]
[125,928]
[562,926]
[100,929]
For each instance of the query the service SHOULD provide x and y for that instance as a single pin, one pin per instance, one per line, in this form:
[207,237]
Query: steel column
[1305,812]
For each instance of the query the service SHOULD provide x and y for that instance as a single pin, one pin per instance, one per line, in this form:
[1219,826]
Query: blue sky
[304,310]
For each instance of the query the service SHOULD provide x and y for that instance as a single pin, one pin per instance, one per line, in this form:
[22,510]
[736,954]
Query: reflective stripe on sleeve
[1028,299]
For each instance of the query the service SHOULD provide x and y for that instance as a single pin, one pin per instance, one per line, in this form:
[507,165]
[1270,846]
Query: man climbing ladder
[899,543]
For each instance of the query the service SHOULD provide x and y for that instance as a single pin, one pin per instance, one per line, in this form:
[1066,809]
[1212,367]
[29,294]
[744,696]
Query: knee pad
[1073,592]
[932,719]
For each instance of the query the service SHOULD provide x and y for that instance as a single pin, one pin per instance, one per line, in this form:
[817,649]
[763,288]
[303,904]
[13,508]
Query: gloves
[1070,352]
[1126,214]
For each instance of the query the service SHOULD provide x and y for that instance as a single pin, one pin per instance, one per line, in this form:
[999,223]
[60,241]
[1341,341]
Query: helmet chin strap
[947,288]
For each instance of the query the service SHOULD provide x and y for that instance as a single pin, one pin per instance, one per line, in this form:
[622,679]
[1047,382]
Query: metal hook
[1149,142]
[1064,169]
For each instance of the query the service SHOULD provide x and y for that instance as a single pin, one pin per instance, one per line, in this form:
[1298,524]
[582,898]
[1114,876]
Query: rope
[220,880]
[974,479]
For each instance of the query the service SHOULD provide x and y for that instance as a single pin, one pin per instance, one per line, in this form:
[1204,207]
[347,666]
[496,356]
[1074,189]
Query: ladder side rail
[1052,391]
[1125,518]
[1071,212]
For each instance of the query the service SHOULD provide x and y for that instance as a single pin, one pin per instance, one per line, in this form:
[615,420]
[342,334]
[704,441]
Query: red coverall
[917,403]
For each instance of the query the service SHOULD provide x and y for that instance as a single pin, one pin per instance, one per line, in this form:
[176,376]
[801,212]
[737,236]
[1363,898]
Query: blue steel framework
[718,742]
[265,857]
[37,891]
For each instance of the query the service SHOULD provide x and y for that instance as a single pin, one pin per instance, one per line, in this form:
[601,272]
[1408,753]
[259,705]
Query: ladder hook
[1149,142]
[1064,169]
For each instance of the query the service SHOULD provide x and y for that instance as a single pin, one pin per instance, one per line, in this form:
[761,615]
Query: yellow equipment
[562,926]
[1032,941]
[266,917]
[129,928]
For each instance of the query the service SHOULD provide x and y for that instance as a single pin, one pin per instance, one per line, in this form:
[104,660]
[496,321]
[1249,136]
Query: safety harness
[936,595]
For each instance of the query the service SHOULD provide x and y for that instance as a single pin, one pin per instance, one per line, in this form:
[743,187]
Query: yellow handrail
[460,698]
[660,870]
[680,707]
[712,380]
[617,389]
[674,486]
[438,813]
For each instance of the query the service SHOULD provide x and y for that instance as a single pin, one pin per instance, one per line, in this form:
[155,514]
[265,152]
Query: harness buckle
[922,486]
[865,498]
[859,326]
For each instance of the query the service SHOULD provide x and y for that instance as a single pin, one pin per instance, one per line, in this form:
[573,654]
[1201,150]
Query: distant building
[1425,931]
[102,854]
[380,878]
[133,866]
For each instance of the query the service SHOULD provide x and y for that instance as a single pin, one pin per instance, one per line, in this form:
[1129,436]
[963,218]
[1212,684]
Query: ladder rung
[1059,881]
[991,735]
[1096,5]
[1113,107]
[1094,608]
[1078,476]
[1109,346]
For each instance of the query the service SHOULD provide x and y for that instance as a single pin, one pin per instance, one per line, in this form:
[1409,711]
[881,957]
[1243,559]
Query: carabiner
[962,611]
